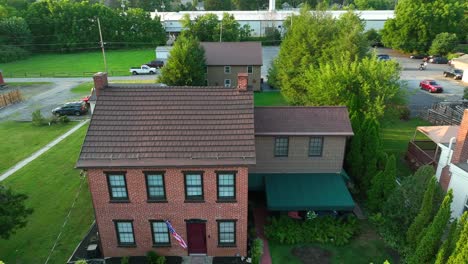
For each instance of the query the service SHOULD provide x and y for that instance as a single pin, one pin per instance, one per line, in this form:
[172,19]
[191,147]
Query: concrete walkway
[35,155]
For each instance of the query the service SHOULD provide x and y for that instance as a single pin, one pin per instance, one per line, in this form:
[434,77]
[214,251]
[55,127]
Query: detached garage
[462,64]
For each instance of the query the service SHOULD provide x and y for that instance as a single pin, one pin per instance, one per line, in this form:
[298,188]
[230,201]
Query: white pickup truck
[143,69]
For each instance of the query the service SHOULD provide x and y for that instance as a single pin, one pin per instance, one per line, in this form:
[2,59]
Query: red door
[196,237]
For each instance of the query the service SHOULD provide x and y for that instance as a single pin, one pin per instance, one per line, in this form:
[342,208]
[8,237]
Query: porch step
[197,260]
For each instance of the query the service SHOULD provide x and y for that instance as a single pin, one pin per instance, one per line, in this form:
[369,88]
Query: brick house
[185,154]
[225,60]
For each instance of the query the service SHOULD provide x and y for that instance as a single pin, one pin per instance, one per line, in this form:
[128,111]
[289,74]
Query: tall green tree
[417,23]
[448,247]
[229,29]
[382,185]
[204,27]
[429,244]
[13,212]
[460,252]
[217,5]
[250,4]
[15,31]
[424,216]
[186,64]
[444,43]
[403,204]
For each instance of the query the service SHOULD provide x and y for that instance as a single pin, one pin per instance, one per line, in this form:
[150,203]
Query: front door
[196,238]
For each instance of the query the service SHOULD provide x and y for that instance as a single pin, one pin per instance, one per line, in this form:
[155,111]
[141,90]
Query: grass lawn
[21,84]
[366,248]
[269,99]
[78,64]
[395,136]
[51,182]
[24,139]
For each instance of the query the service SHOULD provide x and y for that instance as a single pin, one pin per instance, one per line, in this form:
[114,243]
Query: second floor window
[281,146]
[117,186]
[155,186]
[249,69]
[226,186]
[227,69]
[193,186]
[315,146]
[125,235]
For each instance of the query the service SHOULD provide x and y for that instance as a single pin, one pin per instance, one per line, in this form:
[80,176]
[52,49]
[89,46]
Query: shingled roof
[302,120]
[151,126]
[233,53]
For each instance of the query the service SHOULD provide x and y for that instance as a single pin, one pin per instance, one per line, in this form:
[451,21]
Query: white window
[249,69]
[227,83]
[227,69]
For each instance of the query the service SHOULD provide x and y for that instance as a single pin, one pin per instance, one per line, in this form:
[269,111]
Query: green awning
[313,191]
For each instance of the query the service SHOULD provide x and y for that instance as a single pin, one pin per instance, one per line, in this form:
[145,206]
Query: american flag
[176,236]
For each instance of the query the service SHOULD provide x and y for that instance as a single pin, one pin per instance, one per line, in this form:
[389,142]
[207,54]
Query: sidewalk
[260,215]
[38,153]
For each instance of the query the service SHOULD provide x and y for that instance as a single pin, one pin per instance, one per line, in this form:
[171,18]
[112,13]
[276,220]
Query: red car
[431,86]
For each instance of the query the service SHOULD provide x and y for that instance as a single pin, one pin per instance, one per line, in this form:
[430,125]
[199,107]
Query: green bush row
[256,251]
[11,53]
[326,230]
[39,120]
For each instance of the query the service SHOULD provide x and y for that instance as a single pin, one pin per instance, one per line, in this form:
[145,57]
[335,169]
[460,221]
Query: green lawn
[23,139]
[21,84]
[78,64]
[366,248]
[51,182]
[395,136]
[269,99]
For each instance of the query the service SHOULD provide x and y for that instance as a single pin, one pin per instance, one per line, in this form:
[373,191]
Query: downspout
[449,156]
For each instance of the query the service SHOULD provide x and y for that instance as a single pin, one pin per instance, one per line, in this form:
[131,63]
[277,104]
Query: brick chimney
[242,82]
[100,82]
[460,154]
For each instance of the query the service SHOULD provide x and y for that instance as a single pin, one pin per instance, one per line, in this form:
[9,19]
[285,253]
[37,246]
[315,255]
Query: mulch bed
[228,260]
[312,255]
[142,260]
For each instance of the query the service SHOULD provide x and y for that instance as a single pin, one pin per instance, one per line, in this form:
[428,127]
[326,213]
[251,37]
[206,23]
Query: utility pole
[221,32]
[102,44]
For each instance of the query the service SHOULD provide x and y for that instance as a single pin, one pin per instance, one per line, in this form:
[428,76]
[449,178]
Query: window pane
[315,146]
[117,180]
[161,233]
[194,191]
[155,180]
[227,232]
[125,232]
[281,146]
[226,179]
[156,191]
[155,186]
[226,191]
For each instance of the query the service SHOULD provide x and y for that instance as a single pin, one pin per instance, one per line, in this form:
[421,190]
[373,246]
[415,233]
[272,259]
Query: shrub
[257,251]
[59,119]
[38,119]
[404,112]
[12,53]
[153,258]
[125,260]
[81,261]
[326,230]
[465,93]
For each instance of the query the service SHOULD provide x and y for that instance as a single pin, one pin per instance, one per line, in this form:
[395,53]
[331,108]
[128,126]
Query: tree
[444,43]
[244,32]
[229,29]
[424,216]
[186,64]
[217,5]
[460,253]
[382,185]
[250,4]
[204,27]
[417,22]
[403,204]
[13,212]
[428,246]
[14,31]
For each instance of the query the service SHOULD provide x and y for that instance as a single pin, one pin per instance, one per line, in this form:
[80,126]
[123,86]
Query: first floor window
[249,69]
[227,83]
[117,186]
[226,232]
[193,186]
[160,233]
[315,146]
[226,186]
[125,232]
[281,146]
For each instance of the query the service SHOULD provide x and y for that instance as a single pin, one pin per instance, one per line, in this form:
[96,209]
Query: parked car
[155,64]
[144,69]
[418,56]
[73,108]
[431,86]
[438,60]
[383,57]
[454,73]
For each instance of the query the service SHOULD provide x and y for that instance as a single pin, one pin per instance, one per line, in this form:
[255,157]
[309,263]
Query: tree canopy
[186,64]
[417,23]
[13,212]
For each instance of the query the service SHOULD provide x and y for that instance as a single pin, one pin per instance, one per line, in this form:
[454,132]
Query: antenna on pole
[102,44]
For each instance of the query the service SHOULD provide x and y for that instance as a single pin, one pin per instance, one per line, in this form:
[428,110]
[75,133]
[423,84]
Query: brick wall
[175,210]
[460,153]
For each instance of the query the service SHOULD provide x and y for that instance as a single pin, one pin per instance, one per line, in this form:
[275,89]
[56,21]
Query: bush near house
[326,230]
[257,251]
